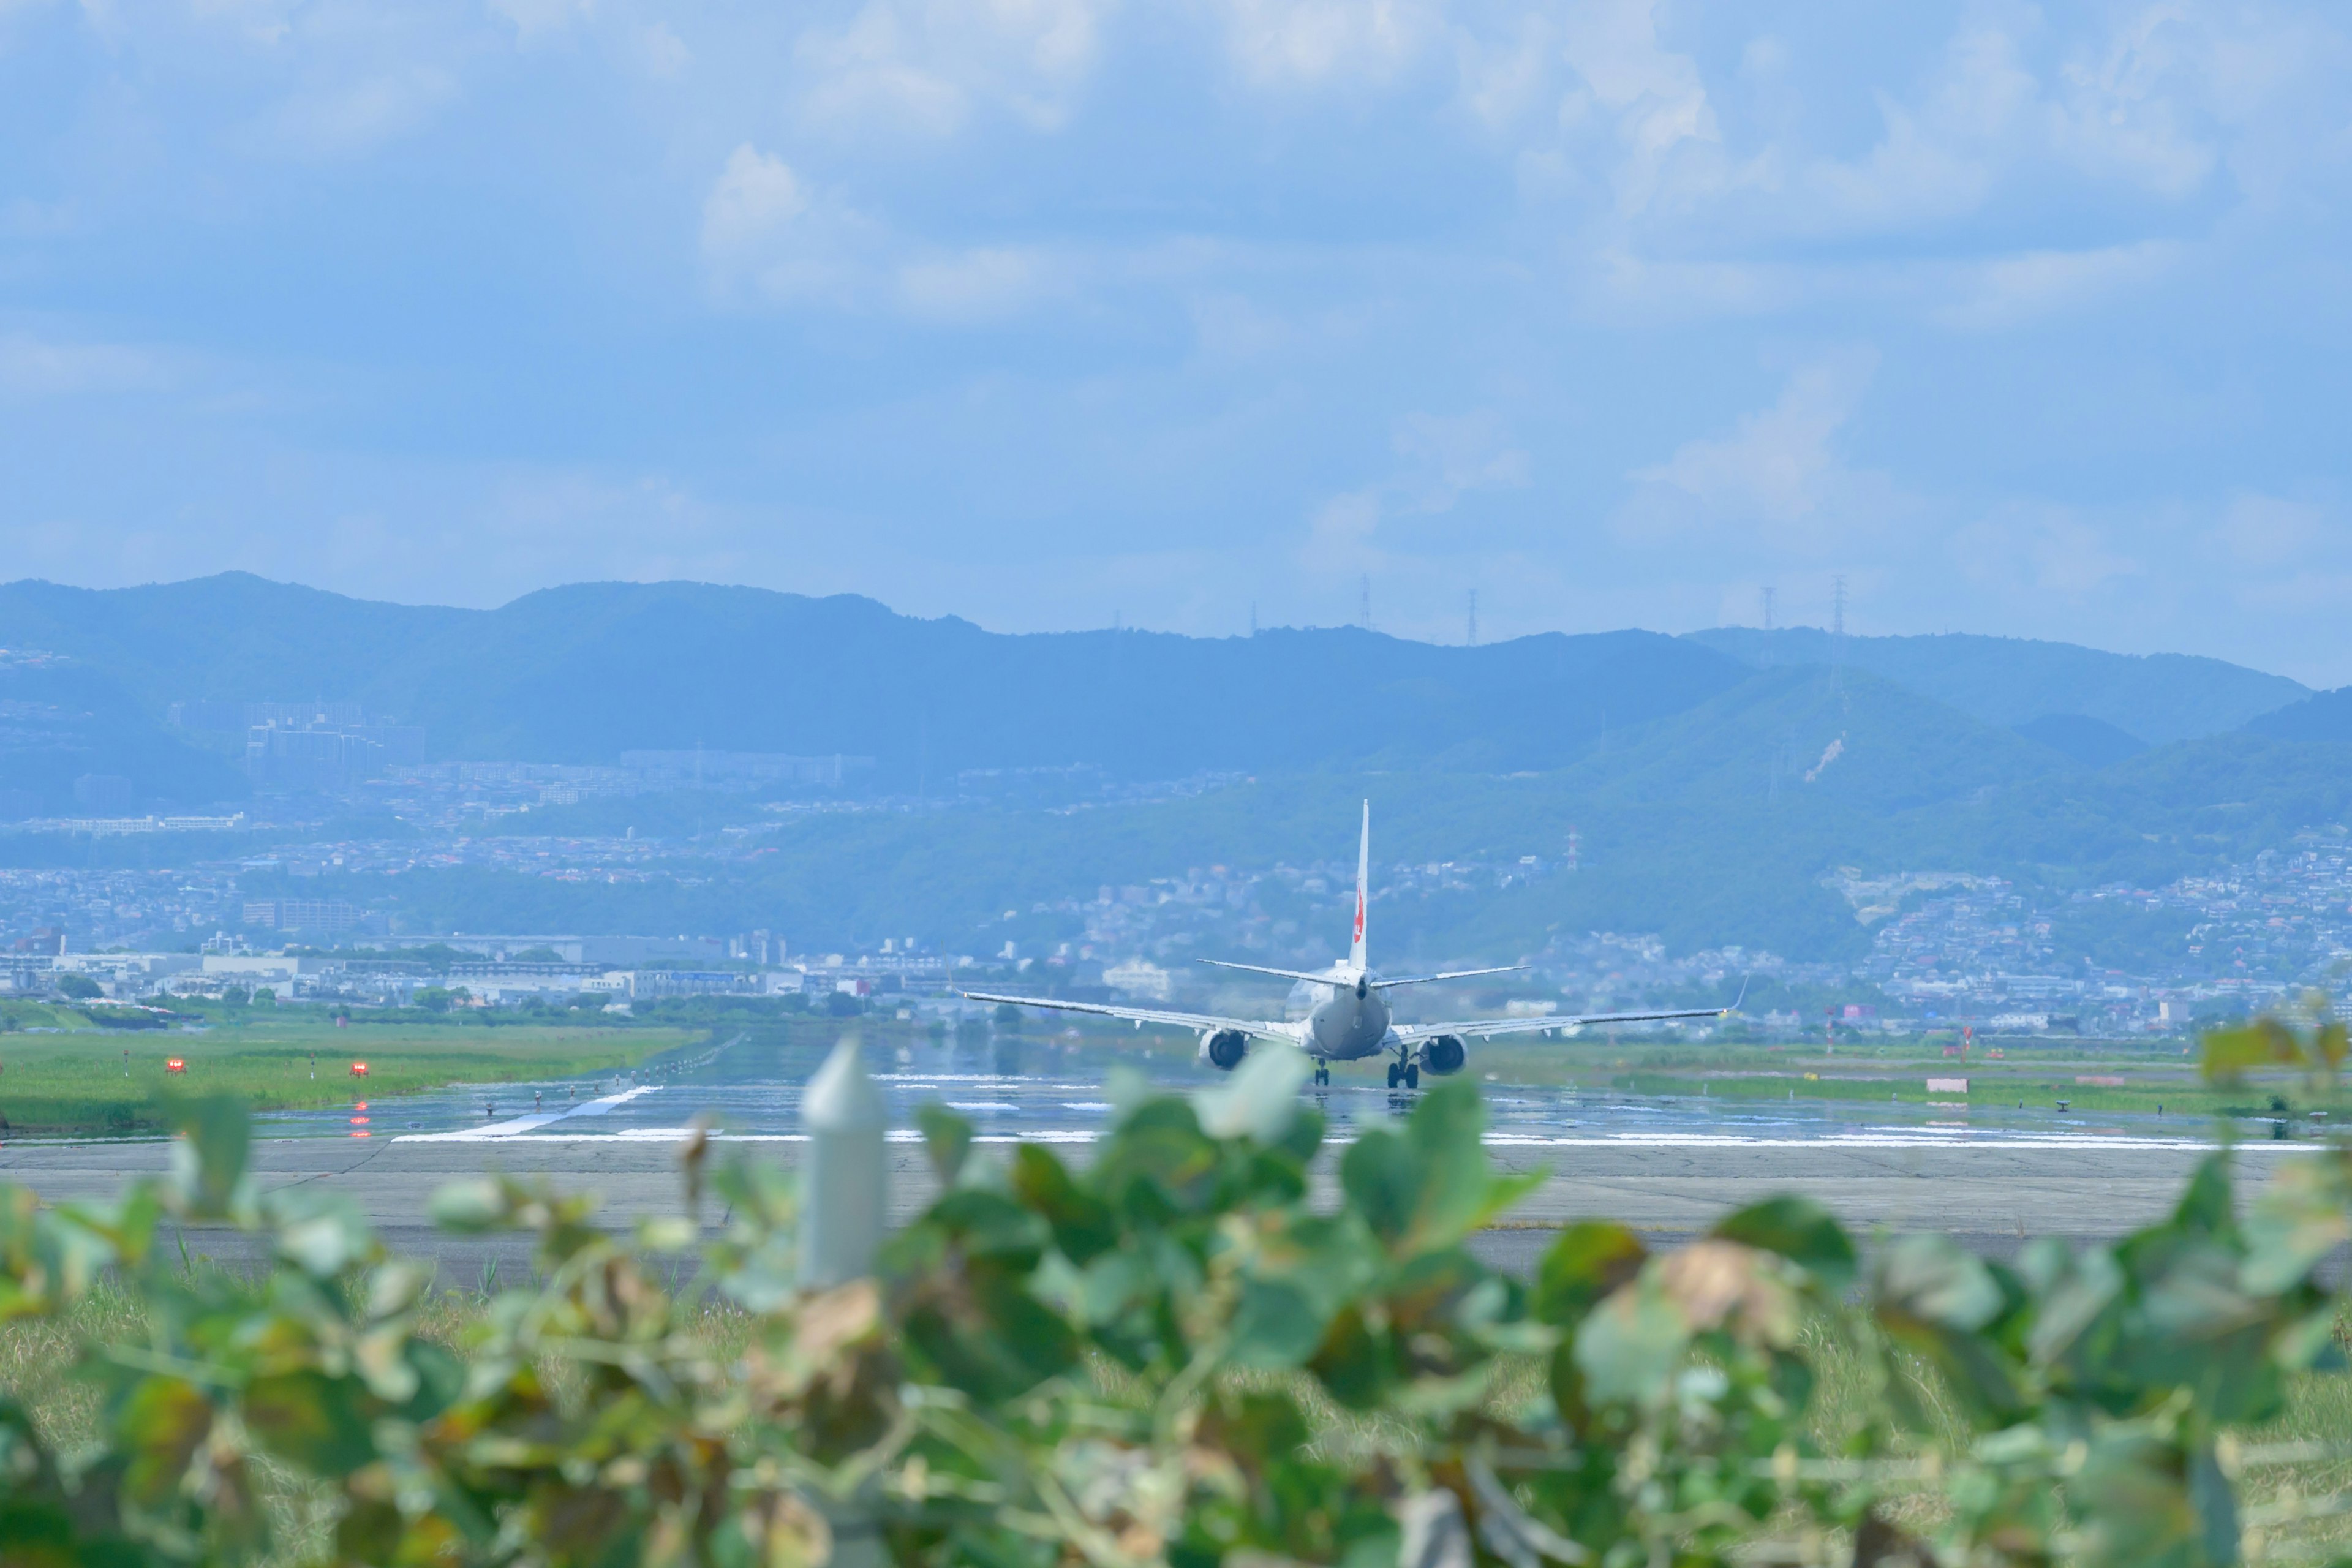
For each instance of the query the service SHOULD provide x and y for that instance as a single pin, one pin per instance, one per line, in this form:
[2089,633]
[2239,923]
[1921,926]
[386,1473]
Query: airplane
[1352,1021]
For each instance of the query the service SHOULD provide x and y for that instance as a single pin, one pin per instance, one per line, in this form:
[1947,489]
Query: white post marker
[842,1189]
[844,1183]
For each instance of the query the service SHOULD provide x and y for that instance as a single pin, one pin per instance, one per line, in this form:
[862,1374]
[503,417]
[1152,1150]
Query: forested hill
[582,673]
[2150,698]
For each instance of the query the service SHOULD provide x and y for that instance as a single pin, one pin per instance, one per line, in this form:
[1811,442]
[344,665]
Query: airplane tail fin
[1363,877]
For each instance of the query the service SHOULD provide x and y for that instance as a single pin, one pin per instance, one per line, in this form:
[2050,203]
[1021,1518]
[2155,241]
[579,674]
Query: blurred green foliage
[1114,1364]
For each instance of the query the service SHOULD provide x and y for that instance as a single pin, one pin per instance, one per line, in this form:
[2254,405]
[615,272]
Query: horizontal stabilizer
[1326,978]
[1449,974]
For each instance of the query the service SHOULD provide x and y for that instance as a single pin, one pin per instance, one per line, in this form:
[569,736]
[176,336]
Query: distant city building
[690,982]
[324,916]
[739,769]
[304,745]
[1138,977]
[327,756]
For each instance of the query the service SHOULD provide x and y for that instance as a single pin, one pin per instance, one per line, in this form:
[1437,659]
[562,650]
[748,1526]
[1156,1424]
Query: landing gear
[1412,1075]
[1396,1074]
[1322,1074]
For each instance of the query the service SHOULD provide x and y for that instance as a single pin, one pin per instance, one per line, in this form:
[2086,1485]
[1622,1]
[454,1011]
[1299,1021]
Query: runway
[1668,1166]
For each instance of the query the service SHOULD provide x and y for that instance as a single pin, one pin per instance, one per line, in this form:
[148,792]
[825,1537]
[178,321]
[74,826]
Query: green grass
[118,1082]
[18,1014]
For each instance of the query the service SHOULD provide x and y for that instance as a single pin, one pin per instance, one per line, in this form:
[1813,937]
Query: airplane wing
[1449,974]
[1257,1028]
[1487,1028]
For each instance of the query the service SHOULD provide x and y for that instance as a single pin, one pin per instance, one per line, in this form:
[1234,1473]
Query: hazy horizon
[1435,640]
[2025,320]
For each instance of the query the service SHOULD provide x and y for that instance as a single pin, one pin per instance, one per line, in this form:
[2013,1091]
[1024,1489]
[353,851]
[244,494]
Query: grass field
[114,1082]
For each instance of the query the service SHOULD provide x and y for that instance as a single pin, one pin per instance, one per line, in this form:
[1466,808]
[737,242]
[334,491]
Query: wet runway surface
[744,1092]
[1668,1166]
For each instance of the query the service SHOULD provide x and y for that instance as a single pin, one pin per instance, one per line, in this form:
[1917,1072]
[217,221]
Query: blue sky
[2026,320]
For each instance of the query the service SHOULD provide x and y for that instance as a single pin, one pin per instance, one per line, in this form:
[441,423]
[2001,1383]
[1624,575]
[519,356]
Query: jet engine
[1224,1049]
[1443,1054]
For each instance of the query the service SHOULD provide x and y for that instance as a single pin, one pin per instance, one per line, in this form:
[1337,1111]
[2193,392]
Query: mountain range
[1715,779]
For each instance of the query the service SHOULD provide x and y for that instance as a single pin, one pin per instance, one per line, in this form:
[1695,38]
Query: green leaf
[158,1425]
[1276,1325]
[2227,1054]
[946,1139]
[1084,1226]
[323,1233]
[1353,1363]
[1592,1259]
[1928,1279]
[2075,1294]
[1933,1297]
[474,1206]
[760,1193]
[1382,1182]
[1629,1346]
[2205,1207]
[1799,1230]
[2303,1214]
[322,1424]
[2135,1495]
[208,1159]
[1457,1181]
[1260,1100]
[440,1379]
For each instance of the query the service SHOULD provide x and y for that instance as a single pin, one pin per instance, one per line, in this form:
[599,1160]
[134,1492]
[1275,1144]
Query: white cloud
[2125,109]
[1303,42]
[533,19]
[2265,531]
[1654,99]
[1453,454]
[1445,458]
[768,236]
[662,52]
[2009,289]
[34,369]
[1341,536]
[981,284]
[755,200]
[1777,479]
[2040,548]
[765,232]
[923,68]
[354,115]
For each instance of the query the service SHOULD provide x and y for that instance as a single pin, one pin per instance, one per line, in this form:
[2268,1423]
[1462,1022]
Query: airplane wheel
[1393,1075]
[1412,1076]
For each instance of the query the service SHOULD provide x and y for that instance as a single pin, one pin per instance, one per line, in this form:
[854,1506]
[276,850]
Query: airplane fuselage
[1351,1024]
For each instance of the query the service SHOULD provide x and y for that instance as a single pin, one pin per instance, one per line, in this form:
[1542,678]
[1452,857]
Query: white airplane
[1351,1020]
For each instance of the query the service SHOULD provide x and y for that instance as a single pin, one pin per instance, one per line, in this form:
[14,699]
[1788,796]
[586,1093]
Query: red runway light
[358,1069]
[359,1122]
[175,1065]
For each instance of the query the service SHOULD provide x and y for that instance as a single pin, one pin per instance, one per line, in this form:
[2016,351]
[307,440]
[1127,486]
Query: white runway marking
[520,1125]
[1889,1137]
